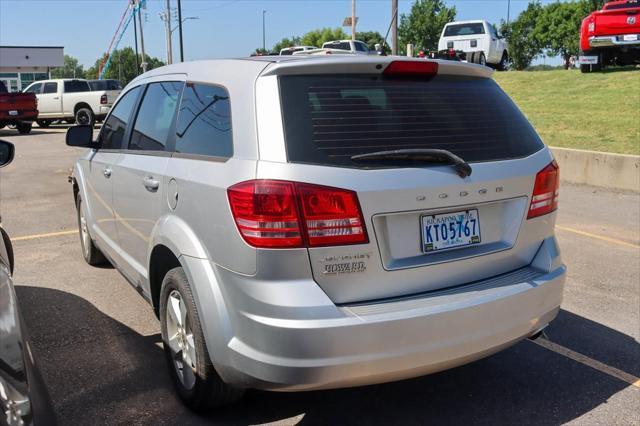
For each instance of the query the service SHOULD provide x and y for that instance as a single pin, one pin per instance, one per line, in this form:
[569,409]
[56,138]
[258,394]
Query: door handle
[56,98]
[107,172]
[151,184]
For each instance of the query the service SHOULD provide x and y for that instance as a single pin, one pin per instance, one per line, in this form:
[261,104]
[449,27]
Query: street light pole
[353,20]
[394,27]
[180,30]
[264,45]
[144,59]
[508,10]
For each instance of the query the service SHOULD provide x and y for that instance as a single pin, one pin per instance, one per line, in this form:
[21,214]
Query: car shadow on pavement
[98,369]
[13,132]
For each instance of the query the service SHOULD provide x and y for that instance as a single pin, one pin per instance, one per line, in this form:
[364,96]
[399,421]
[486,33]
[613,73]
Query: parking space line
[47,235]
[590,362]
[598,237]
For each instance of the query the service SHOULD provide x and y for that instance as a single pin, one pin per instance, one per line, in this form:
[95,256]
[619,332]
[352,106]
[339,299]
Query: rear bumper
[614,41]
[394,340]
[21,116]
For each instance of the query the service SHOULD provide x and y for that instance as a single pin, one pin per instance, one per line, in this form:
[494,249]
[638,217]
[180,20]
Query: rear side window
[464,29]
[338,45]
[114,128]
[329,118]
[204,122]
[155,116]
[50,87]
[73,86]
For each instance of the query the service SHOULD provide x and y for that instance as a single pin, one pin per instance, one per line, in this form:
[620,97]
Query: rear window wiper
[418,156]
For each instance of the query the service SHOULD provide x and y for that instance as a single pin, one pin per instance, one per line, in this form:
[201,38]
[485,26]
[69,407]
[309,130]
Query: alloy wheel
[180,340]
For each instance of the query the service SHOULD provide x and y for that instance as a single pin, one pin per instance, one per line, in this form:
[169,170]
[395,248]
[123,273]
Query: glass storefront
[16,82]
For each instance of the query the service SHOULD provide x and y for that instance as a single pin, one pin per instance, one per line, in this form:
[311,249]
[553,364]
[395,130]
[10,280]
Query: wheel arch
[82,105]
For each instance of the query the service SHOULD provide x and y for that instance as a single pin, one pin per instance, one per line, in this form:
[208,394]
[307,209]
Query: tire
[504,62]
[24,128]
[196,381]
[84,116]
[44,123]
[478,58]
[91,254]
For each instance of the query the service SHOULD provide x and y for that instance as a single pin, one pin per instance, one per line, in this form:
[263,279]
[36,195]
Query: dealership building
[22,65]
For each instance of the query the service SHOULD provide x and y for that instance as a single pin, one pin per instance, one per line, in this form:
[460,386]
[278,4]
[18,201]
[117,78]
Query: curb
[617,171]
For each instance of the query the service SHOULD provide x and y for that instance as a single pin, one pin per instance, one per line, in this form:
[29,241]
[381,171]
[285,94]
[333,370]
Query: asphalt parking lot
[98,344]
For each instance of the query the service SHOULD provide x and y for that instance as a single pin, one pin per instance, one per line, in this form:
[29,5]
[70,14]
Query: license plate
[630,37]
[13,112]
[450,230]
[586,60]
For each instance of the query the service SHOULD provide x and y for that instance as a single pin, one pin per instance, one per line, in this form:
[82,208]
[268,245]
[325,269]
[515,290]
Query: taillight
[103,99]
[545,191]
[591,27]
[412,68]
[282,214]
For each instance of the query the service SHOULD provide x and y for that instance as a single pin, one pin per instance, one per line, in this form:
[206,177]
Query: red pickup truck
[18,109]
[611,36]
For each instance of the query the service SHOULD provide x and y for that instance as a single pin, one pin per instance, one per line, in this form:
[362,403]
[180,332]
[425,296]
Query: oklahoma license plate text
[449,230]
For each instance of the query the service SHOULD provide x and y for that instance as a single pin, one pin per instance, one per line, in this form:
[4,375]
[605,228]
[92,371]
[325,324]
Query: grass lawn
[597,111]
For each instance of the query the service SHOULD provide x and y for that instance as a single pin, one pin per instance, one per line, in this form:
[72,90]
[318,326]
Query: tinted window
[329,118]
[204,121]
[361,47]
[464,29]
[627,5]
[3,88]
[338,45]
[34,88]
[114,128]
[73,86]
[50,88]
[155,116]
[105,85]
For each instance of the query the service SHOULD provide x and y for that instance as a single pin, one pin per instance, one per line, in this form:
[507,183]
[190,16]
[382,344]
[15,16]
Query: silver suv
[307,223]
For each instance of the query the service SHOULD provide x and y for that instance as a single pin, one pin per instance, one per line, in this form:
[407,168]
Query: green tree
[424,24]
[322,35]
[122,66]
[286,42]
[70,69]
[522,38]
[558,28]
[370,37]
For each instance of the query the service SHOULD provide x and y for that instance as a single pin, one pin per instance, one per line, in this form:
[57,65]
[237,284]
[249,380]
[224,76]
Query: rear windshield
[626,5]
[463,29]
[338,45]
[105,85]
[329,118]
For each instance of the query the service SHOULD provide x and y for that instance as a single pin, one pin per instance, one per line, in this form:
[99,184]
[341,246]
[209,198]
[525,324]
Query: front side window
[204,122]
[72,86]
[114,128]
[34,88]
[51,87]
[361,47]
[155,116]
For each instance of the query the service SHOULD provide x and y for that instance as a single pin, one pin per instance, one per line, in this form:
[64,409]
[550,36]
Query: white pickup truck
[71,100]
[479,38]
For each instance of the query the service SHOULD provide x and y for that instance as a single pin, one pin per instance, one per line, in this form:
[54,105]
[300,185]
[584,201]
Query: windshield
[464,29]
[329,118]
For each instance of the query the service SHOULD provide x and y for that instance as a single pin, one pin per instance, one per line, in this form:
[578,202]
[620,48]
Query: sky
[224,28]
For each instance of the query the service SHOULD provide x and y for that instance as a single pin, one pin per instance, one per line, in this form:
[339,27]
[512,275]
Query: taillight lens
[103,99]
[282,214]
[591,27]
[544,199]
[411,68]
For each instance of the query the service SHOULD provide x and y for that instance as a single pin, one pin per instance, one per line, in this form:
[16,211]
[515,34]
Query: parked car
[24,399]
[476,36]
[70,99]
[293,49]
[322,223]
[108,84]
[17,109]
[611,36]
[354,46]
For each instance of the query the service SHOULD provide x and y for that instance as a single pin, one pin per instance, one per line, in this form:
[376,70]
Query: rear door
[139,175]
[99,172]
[50,100]
[428,227]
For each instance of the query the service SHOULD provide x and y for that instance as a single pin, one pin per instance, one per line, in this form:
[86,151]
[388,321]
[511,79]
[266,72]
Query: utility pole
[353,20]
[508,10]
[264,45]
[180,30]
[135,35]
[166,17]
[144,58]
[394,27]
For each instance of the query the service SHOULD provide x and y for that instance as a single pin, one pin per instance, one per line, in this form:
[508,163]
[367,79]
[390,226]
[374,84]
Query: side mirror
[6,153]
[81,136]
